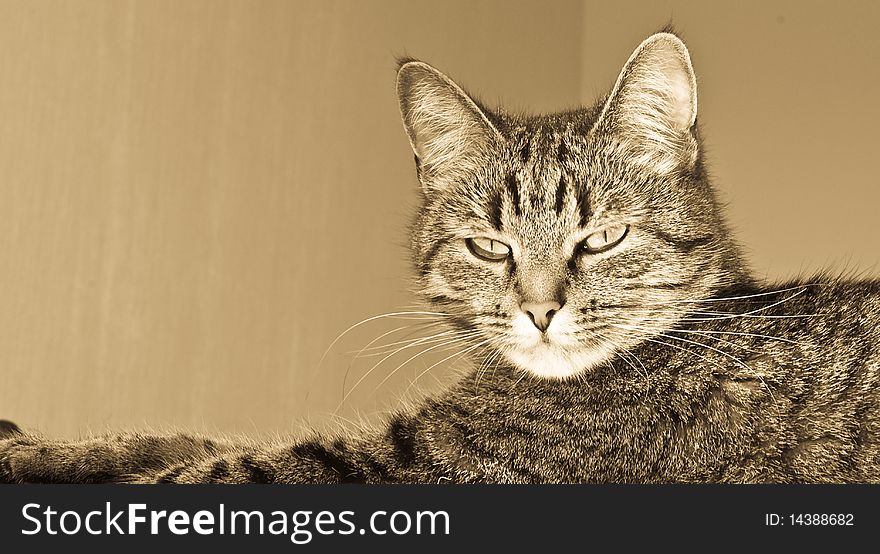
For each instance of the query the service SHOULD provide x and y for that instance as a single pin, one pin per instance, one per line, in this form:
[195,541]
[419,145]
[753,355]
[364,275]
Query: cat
[583,261]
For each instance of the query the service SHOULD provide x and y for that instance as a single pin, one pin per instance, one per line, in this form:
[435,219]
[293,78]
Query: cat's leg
[399,453]
[8,429]
[310,461]
[27,458]
[135,458]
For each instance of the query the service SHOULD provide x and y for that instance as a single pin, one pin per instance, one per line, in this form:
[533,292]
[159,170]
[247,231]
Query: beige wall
[197,197]
[788,107]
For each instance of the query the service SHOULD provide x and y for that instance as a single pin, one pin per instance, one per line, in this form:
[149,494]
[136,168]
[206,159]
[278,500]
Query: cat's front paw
[13,452]
[5,464]
[11,444]
[8,429]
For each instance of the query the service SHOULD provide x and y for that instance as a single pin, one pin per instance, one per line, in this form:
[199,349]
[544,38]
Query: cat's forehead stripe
[561,190]
[513,190]
[494,211]
[543,184]
[583,202]
[526,152]
[562,151]
[536,198]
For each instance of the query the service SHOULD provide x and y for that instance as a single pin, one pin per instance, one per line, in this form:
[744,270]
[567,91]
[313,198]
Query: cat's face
[563,241]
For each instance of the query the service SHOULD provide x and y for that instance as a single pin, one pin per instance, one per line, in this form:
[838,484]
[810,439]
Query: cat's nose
[540,312]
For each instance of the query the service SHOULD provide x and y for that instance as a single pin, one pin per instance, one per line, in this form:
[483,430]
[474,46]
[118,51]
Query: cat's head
[561,240]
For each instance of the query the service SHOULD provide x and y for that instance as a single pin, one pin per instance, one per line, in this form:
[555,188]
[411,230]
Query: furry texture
[662,359]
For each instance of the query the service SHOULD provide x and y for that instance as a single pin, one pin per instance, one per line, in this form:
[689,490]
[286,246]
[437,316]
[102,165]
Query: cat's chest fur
[763,397]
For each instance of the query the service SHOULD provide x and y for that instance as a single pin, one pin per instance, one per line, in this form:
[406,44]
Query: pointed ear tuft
[448,132]
[653,105]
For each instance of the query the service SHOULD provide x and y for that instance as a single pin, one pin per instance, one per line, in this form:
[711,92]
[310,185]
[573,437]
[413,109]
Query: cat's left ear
[449,133]
[653,107]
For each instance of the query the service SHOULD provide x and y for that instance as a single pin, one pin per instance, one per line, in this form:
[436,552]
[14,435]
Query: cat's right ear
[653,107]
[449,133]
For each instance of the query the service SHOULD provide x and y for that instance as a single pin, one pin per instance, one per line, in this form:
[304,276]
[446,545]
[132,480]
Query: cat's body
[581,260]
[788,410]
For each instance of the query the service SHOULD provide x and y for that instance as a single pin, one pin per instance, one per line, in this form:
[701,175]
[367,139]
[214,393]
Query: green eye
[605,238]
[488,249]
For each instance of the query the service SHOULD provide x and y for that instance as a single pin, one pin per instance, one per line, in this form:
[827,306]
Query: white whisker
[386,348]
[357,353]
[711,332]
[484,366]
[723,353]
[422,315]
[410,344]
[803,288]
[367,374]
[435,364]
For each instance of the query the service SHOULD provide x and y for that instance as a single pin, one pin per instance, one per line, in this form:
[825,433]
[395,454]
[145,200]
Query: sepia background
[198,197]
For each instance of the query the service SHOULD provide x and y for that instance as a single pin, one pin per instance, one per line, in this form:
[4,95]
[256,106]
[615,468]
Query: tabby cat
[617,333]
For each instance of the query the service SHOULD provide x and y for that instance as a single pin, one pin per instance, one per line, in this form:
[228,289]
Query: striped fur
[666,361]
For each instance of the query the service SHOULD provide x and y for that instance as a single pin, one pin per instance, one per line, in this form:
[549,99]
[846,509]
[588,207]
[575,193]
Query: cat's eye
[488,249]
[605,238]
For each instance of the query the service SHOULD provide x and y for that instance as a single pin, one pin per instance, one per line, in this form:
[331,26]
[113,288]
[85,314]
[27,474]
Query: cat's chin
[552,362]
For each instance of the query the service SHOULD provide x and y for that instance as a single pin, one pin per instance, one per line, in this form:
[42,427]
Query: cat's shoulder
[841,297]
[834,288]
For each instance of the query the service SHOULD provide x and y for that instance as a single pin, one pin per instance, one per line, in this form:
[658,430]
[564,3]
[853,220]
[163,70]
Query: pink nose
[540,312]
